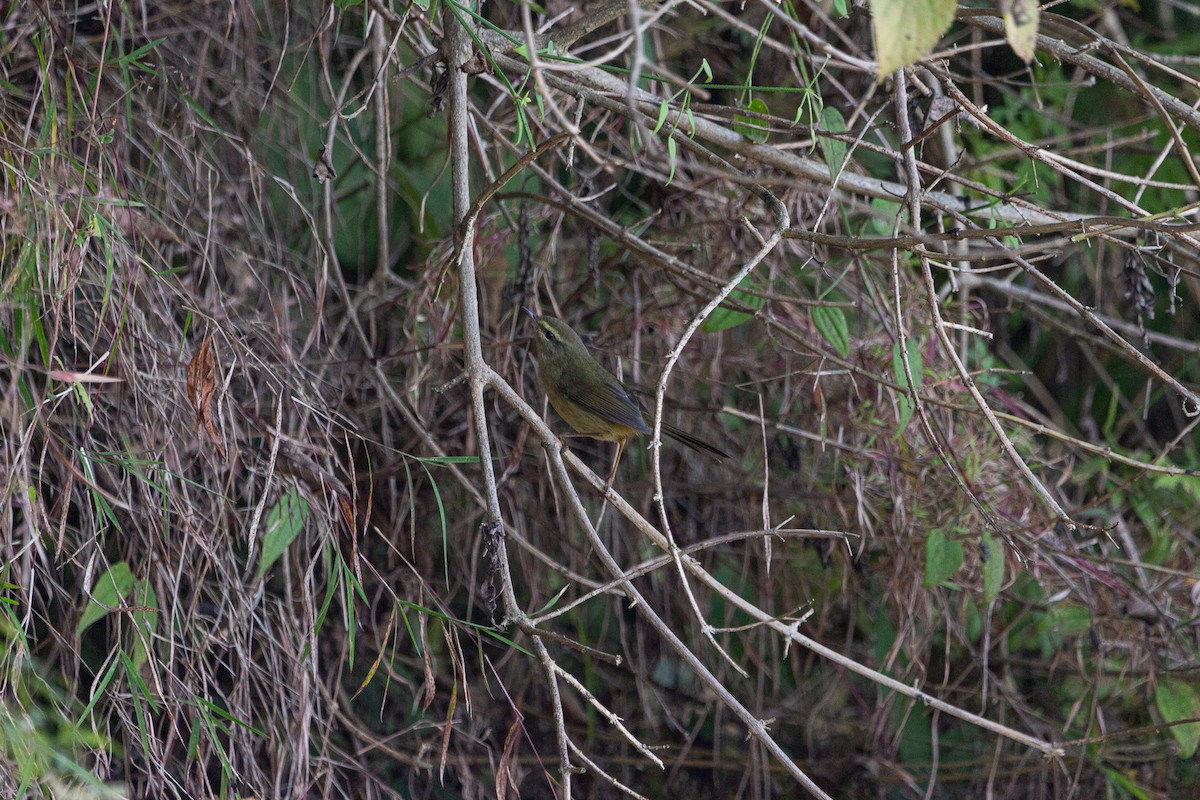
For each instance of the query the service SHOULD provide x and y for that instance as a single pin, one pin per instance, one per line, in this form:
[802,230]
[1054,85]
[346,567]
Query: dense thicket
[280,513]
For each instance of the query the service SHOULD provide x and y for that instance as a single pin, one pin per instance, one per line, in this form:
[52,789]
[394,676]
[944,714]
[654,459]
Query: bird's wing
[610,401]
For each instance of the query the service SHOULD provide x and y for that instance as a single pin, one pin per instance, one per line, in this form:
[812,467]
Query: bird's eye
[548,334]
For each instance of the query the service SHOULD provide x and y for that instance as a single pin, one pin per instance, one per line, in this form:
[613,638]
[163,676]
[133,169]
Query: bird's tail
[693,442]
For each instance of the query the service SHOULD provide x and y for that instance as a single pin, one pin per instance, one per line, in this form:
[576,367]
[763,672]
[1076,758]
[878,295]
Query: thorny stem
[457,50]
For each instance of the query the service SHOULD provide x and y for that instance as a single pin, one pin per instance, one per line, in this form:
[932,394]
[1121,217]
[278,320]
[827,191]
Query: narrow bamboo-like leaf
[100,688]
[449,459]
[915,366]
[993,567]
[132,58]
[145,621]
[830,322]
[664,108]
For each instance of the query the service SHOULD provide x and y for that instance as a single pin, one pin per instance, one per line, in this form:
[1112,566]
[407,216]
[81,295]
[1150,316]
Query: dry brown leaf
[430,683]
[449,726]
[202,390]
[504,776]
[478,63]
[323,170]
[387,637]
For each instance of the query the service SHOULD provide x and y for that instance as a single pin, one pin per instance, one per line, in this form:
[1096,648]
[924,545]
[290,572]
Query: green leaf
[145,621]
[1119,779]
[752,128]
[1061,622]
[449,460]
[914,366]
[1189,484]
[830,321]
[972,621]
[199,111]
[882,211]
[285,520]
[943,557]
[907,30]
[1177,701]
[993,567]
[664,108]
[108,594]
[133,59]
[724,318]
[834,150]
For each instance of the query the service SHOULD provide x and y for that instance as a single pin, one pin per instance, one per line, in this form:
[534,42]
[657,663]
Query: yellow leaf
[1021,26]
[906,30]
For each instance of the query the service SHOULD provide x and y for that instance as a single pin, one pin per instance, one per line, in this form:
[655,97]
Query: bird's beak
[532,315]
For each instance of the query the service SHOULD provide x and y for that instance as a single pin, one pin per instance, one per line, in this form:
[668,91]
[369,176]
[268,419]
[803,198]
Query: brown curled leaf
[323,170]
[202,391]
[478,63]
[505,778]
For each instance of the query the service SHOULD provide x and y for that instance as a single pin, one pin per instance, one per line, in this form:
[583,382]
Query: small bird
[589,397]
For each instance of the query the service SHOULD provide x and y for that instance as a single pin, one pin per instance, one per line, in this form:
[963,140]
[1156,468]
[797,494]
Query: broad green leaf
[1061,622]
[1177,701]
[943,557]
[905,31]
[834,150]
[752,128]
[882,212]
[724,318]
[1190,484]
[830,322]
[993,567]
[109,592]
[285,520]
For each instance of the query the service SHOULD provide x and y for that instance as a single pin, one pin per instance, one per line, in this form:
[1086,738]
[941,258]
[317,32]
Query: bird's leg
[612,473]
